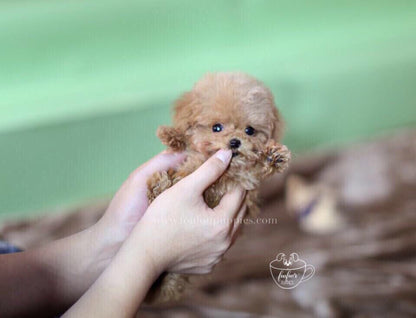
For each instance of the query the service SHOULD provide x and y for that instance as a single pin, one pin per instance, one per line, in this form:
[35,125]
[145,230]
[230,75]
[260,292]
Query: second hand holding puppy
[155,246]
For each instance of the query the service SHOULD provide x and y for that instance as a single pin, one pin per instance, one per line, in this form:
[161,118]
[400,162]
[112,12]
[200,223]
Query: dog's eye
[249,130]
[217,128]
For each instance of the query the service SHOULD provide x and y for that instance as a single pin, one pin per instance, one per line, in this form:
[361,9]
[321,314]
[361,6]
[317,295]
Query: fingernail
[224,155]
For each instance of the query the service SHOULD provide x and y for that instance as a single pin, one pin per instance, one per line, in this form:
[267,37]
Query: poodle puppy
[223,110]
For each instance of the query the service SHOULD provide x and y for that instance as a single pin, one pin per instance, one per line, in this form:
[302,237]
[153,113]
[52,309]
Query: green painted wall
[84,85]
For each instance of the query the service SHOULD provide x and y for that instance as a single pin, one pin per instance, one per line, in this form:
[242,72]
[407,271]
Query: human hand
[181,232]
[129,204]
[86,254]
[163,240]
[49,278]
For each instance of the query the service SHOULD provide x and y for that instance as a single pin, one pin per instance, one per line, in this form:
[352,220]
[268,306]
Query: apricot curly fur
[236,101]
[172,138]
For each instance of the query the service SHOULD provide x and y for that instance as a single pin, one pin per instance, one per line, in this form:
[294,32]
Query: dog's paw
[277,155]
[157,183]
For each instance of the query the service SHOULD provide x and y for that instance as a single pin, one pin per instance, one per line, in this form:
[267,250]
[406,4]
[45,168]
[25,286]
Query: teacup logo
[289,272]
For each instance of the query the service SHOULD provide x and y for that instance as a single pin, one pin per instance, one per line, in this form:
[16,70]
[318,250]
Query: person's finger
[209,171]
[160,162]
[230,203]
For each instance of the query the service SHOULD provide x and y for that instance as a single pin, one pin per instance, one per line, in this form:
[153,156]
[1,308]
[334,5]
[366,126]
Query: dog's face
[228,110]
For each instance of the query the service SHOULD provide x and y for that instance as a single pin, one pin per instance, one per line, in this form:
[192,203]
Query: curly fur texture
[236,101]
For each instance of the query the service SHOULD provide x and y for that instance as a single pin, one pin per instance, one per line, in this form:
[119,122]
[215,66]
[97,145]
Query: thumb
[209,172]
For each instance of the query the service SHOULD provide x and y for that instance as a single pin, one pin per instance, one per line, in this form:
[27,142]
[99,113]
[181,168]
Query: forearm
[123,285]
[26,286]
[49,279]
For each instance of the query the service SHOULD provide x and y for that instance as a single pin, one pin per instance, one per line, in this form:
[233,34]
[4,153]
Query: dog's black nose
[235,143]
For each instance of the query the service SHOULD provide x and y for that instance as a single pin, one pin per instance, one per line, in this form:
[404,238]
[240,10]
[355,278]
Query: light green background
[84,84]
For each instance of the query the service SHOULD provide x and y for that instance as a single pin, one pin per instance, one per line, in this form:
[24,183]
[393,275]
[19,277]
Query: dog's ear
[175,137]
[261,95]
[184,111]
[172,137]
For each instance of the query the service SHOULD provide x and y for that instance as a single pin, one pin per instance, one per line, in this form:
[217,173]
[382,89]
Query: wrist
[75,262]
[103,246]
[152,248]
[125,282]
